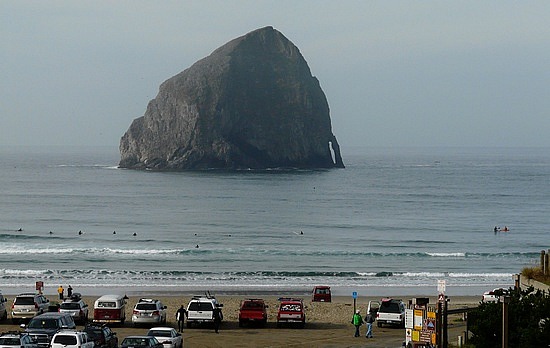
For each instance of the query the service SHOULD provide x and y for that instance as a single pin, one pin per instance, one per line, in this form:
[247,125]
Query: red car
[291,311]
[253,310]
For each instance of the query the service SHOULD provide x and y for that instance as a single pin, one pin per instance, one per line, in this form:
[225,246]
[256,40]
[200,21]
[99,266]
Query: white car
[28,305]
[71,339]
[75,307]
[149,311]
[17,340]
[493,295]
[168,336]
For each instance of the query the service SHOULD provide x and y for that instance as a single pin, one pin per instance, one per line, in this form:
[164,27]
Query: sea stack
[251,104]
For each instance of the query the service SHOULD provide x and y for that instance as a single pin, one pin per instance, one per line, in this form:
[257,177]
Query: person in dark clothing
[217,318]
[180,317]
[369,319]
[69,292]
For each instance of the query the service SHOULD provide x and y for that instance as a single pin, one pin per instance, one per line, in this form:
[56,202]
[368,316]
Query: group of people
[182,313]
[61,292]
[358,320]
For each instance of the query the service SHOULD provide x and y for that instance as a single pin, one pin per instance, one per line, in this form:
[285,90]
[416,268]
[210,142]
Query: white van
[110,309]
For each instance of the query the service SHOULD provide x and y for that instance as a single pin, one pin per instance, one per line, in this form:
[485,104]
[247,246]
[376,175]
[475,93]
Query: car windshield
[24,301]
[291,307]
[200,306]
[161,333]
[70,305]
[43,324]
[146,306]
[9,341]
[135,342]
[252,305]
[93,333]
[390,307]
[104,304]
[66,340]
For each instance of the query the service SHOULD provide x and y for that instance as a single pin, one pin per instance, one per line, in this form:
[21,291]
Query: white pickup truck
[388,311]
[201,310]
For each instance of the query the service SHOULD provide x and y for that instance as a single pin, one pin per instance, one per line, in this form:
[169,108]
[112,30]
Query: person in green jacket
[357,320]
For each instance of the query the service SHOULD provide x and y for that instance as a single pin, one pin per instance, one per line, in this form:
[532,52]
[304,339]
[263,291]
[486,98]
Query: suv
[494,295]
[75,307]
[102,336]
[291,310]
[390,311]
[253,309]
[71,339]
[28,305]
[44,326]
[3,310]
[149,311]
[16,340]
[201,310]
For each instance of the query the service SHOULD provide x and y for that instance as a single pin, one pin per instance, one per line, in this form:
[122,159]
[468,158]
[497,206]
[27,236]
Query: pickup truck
[388,311]
[291,310]
[201,310]
[253,310]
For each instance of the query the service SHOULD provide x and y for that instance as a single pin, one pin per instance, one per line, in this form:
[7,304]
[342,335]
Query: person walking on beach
[180,317]
[60,291]
[69,292]
[357,320]
[369,319]
[217,319]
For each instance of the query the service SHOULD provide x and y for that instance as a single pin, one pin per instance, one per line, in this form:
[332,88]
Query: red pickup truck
[291,311]
[253,310]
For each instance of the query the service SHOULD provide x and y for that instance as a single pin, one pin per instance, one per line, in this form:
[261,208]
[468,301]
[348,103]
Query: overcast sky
[395,73]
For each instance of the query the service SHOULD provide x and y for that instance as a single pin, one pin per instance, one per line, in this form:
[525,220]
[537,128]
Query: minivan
[110,309]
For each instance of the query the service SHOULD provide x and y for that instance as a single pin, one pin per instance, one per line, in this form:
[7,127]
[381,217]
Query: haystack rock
[251,104]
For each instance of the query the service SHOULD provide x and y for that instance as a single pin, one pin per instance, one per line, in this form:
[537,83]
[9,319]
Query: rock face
[252,103]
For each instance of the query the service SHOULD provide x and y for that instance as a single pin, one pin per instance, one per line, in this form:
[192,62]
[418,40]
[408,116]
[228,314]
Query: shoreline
[240,291]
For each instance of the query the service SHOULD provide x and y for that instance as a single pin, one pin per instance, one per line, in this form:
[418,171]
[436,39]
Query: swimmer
[135,234]
[114,232]
[20,229]
[196,246]
[79,233]
[51,232]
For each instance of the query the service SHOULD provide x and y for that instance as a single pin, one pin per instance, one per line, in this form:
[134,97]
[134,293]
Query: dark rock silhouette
[252,103]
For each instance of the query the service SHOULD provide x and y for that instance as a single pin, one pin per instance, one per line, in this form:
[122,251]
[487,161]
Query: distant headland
[252,104]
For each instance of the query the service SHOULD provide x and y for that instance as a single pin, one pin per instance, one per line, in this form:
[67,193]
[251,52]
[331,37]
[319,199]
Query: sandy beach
[327,325]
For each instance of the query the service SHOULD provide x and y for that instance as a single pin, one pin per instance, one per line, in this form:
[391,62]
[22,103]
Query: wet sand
[327,324]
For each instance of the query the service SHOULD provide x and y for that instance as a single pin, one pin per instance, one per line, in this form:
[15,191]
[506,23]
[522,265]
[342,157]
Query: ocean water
[394,220]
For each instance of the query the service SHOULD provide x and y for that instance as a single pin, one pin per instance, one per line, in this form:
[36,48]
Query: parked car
[28,305]
[291,311]
[17,340]
[253,310]
[71,339]
[494,295]
[321,293]
[140,342]
[75,307]
[3,309]
[149,311]
[102,336]
[110,309]
[201,310]
[388,311]
[168,336]
[44,326]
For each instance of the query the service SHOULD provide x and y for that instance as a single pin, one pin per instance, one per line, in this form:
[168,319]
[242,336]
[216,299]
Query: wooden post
[505,301]
[542,253]
[546,270]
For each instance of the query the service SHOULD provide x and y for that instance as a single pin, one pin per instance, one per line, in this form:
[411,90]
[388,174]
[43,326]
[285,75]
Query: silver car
[76,308]
[28,305]
[168,336]
[149,311]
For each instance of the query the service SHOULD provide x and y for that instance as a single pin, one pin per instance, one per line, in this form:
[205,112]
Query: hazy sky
[396,73]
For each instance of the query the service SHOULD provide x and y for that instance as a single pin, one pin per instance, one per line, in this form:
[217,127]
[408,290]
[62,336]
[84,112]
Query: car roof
[139,336]
[53,315]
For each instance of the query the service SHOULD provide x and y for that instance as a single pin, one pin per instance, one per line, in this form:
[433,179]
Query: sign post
[354,295]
